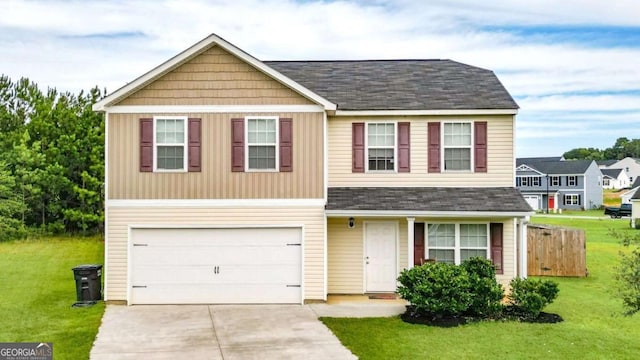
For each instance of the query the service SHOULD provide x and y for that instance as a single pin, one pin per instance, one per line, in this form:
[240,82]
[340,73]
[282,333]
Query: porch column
[410,237]
[522,262]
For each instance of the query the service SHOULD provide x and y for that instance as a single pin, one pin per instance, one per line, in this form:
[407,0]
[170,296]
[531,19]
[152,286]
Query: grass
[611,197]
[38,290]
[593,326]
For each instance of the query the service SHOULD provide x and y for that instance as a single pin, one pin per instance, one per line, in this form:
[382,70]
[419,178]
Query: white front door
[380,256]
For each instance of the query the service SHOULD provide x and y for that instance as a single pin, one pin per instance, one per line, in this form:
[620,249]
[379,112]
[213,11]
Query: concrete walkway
[215,332]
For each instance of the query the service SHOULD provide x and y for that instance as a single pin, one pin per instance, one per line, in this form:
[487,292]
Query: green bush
[436,289]
[486,292]
[529,296]
[628,280]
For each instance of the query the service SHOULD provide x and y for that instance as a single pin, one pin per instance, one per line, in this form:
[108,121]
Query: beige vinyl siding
[311,218]
[345,254]
[345,251]
[500,130]
[215,77]
[216,181]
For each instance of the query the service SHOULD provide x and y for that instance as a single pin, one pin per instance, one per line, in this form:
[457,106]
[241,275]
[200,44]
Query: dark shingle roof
[612,173]
[558,167]
[606,162]
[399,84]
[462,199]
[520,161]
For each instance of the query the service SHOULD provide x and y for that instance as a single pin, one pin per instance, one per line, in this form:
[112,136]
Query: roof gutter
[442,112]
[431,214]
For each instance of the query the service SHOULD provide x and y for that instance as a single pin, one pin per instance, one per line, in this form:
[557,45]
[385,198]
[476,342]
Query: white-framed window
[457,144]
[262,143]
[170,143]
[554,180]
[572,180]
[454,243]
[571,199]
[606,182]
[381,146]
[528,181]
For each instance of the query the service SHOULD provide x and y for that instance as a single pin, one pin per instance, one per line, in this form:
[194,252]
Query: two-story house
[631,167]
[235,180]
[615,179]
[550,184]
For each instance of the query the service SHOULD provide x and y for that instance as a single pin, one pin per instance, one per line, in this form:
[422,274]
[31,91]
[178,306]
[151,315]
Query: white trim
[457,247]
[105,273]
[425,112]
[185,149]
[182,109]
[433,214]
[410,241]
[325,156]
[196,50]
[471,147]
[395,146]
[216,203]
[276,145]
[524,167]
[325,253]
[132,227]
[524,248]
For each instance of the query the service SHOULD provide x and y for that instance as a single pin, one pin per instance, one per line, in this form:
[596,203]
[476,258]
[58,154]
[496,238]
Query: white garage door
[216,266]
[533,201]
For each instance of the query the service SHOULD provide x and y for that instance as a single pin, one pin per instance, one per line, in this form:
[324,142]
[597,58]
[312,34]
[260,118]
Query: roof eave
[431,214]
[436,112]
[195,50]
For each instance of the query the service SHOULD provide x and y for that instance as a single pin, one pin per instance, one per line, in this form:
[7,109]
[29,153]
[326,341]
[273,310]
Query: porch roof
[427,200]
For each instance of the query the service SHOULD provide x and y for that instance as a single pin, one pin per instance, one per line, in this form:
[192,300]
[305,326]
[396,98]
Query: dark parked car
[618,212]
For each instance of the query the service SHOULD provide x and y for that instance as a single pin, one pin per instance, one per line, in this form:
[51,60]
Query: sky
[573,66]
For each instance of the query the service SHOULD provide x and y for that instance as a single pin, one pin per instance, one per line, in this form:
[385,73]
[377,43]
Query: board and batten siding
[500,149]
[216,180]
[120,218]
[345,251]
[215,77]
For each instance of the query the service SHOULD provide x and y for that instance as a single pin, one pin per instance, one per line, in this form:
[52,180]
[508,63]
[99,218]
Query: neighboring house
[635,209]
[615,179]
[630,165]
[627,195]
[559,184]
[233,180]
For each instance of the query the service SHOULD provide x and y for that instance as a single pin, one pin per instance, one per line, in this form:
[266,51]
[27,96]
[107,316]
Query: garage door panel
[252,265]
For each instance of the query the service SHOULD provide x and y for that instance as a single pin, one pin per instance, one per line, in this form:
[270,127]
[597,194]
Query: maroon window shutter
[146,145]
[480,146]
[404,151]
[434,146]
[286,145]
[195,140]
[357,138]
[237,145]
[418,244]
[495,230]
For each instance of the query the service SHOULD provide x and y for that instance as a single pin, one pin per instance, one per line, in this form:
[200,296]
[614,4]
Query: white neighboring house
[630,165]
[615,179]
[627,195]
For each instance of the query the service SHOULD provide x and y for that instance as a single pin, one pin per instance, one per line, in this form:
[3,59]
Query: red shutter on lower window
[480,146]
[357,151]
[404,148]
[237,145]
[286,145]
[195,144]
[146,145]
[434,147]
[495,229]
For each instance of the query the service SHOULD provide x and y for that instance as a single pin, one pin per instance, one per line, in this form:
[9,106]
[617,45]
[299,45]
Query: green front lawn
[38,289]
[592,329]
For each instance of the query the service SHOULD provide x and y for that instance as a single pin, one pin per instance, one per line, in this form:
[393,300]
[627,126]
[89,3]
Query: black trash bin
[88,283]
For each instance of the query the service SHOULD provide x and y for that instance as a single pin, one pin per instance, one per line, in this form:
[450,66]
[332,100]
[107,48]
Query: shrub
[436,289]
[529,296]
[628,281]
[486,293]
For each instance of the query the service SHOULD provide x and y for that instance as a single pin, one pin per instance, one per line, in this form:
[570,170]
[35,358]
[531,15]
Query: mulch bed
[438,320]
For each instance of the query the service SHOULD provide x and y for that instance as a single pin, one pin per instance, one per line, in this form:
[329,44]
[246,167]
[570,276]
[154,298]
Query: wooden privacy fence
[554,251]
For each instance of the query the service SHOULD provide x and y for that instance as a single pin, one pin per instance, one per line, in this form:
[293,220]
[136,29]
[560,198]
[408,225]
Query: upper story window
[381,146]
[606,182]
[457,143]
[170,143]
[262,142]
[528,181]
[554,180]
[572,180]
[454,243]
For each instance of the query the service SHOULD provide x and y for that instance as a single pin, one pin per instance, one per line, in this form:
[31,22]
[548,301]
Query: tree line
[51,160]
[622,148]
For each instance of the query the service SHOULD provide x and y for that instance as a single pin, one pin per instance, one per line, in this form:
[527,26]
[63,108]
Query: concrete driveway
[215,332]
